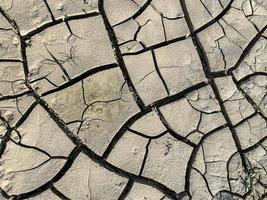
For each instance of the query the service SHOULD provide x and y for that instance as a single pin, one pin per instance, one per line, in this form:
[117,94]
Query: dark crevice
[81,147]
[58,21]
[247,49]
[49,10]
[59,64]
[205,180]
[147,137]
[246,78]
[181,38]
[10,60]
[207,70]
[135,178]
[159,72]
[145,158]
[148,109]
[194,154]
[80,77]
[135,15]
[126,190]
[172,132]
[8,97]
[75,152]
[58,193]
[118,55]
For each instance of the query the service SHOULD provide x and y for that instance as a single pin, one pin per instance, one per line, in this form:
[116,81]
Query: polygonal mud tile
[251,131]
[254,62]
[37,13]
[217,150]
[166,162]
[12,79]
[255,88]
[182,68]
[69,7]
[120,10]
[68,103]
[198,187]
[48,194]
[86,179]
[110,105]
[143,74]
[10,45]
[181,117]
[41,131]
[133,152]
[26,168]
[141,191]
[149,125]
[13,109]
[60,53]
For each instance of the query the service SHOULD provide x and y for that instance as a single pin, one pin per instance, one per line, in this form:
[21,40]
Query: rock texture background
[133,99]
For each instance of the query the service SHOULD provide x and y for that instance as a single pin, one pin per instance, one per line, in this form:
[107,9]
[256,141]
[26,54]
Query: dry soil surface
[133,99]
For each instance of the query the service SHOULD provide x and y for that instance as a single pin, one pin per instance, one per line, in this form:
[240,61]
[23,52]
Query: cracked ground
[133,99]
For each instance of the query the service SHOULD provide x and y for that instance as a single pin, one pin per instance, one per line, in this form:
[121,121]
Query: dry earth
[133,99]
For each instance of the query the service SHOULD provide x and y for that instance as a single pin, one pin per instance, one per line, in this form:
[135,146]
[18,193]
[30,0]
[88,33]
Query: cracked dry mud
[133,99]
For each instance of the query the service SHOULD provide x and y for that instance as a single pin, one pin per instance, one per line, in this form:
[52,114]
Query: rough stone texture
[133,99]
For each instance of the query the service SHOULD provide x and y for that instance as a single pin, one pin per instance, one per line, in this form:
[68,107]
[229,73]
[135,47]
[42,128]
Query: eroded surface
[133,99]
